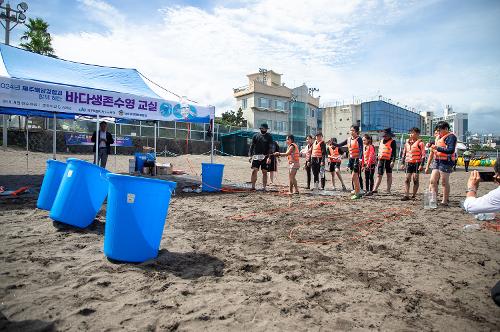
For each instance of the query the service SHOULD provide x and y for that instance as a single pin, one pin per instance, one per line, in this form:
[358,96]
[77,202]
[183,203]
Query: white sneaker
[353,192]
[362,192]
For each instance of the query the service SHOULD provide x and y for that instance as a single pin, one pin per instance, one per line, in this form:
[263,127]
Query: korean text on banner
[23,94]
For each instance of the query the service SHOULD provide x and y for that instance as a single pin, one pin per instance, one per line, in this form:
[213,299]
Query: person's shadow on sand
[25,325]
[188,265]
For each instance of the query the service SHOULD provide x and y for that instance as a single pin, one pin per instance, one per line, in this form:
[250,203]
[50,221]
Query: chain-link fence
[31,138]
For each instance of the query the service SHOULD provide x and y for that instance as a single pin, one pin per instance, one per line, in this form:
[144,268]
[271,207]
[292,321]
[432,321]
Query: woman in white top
[489,203]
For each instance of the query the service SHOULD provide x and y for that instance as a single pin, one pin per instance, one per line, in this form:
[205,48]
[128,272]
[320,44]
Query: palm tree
[38,38]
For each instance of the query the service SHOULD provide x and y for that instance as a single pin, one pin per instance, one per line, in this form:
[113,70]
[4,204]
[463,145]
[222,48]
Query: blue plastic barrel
[51,181]
[135,217]
[211,177]
[82,191]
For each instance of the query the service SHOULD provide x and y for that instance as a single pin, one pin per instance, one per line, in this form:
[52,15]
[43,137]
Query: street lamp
[12,15]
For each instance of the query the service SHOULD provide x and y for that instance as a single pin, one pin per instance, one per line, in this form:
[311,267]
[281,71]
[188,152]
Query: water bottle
[485,216]
[430,200]
[322,172]
[471,227]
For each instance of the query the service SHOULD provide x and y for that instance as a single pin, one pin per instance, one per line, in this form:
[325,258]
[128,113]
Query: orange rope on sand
[286,209]
[364,228]
[493,225]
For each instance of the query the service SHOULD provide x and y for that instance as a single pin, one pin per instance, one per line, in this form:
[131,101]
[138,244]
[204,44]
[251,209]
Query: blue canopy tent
[37,85]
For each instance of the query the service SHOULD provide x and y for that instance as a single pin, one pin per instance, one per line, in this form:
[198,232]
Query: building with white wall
[337,120]
[459,122]
[267,100]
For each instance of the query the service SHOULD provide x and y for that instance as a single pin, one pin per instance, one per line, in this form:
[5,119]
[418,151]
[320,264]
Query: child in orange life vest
[292,153]
[387,152]
[334,160]
[355,145]
[318,158]
[307,166]
[413,157]
[368,163]
[444,160]
[430,158]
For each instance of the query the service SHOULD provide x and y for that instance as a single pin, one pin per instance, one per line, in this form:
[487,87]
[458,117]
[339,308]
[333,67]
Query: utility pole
[16,16]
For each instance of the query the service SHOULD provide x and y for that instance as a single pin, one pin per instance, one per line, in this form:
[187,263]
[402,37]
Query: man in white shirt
[489,203]
[105,139]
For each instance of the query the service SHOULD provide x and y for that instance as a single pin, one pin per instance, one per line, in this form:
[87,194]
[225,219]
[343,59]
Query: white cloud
[204,54]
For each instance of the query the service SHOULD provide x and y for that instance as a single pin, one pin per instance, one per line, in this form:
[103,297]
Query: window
[279,105]
[269,123]
[340,120]
[244,103]
[312,113]
[264,102]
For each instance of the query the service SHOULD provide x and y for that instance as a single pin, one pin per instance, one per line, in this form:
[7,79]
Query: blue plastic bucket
[51,181]
[135,217]
[140,158]
[82,191]
[211,177]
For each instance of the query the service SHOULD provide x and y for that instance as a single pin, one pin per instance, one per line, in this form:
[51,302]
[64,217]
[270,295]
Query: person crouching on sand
[355,145]
[413,162]
[335,159]
[292,153]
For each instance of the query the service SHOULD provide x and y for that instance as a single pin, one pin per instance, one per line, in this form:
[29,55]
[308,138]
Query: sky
[423,53]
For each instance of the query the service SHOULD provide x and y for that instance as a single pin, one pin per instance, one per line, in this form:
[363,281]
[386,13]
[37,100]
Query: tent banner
[31,95]
[86,139]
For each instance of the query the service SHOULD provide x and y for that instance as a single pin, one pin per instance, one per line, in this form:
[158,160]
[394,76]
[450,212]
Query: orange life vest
[334,156]
[385,150]
[440,142]
[294,156]
[413,151]
[353,148]
[316,150]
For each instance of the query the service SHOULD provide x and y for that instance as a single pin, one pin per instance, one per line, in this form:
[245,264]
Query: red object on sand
[19,191]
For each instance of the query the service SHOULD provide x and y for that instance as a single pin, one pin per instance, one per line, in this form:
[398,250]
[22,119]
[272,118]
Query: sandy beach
[254,261]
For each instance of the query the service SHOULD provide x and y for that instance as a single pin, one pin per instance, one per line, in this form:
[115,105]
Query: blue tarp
[31,66]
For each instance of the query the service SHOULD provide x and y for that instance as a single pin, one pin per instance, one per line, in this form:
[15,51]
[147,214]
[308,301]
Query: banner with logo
[23,94]
[86,139]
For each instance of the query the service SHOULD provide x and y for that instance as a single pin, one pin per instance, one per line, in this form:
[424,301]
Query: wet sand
[254,261]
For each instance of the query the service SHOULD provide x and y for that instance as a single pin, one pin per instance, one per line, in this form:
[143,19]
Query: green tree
[230,118]
[37,38]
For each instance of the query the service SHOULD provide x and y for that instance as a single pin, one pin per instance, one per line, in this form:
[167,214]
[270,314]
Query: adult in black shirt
[102,141]
[384,163]
[260,149]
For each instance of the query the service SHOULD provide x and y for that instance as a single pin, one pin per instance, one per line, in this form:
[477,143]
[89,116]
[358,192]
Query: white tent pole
[154,127]
[97,138]
[400,149]
[54,138]
[5,131]
[213,134]
[116,170]
[27,145]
